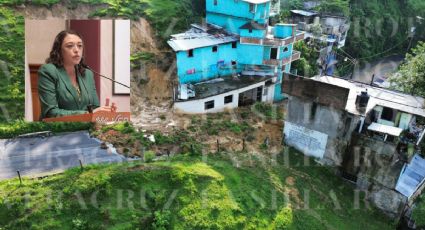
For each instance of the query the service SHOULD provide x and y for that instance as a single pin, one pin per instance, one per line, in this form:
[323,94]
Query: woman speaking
[65,87]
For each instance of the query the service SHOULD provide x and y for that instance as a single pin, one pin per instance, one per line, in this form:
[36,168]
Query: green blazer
[58,97]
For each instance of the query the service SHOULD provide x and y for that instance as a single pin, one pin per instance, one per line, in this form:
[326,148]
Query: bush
[283,219]
[162,220]
[148,156]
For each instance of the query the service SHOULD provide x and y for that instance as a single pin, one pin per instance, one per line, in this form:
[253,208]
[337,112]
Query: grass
[188,193]
[418,213]
[18,127]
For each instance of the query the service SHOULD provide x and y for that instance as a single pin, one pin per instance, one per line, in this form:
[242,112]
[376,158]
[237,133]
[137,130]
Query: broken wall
[323,121]
[320,107]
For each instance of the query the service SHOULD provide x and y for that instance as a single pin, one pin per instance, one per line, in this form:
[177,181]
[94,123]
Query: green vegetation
[18,127]
[418,213]
[11,65]
[268,111]
[410,77]
[141,57]
[307,64]
[148,156]
[188,193]
[378,26]
[166,16]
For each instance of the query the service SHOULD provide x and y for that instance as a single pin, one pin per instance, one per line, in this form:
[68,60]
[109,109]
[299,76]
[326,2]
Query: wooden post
[218,146]
[81,164]
[243,144]
[19,175]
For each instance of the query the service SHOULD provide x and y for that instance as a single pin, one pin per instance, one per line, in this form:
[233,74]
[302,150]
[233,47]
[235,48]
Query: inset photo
[77,70]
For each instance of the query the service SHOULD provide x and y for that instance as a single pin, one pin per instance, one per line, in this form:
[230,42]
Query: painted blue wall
[205,63]
[253,34]
[250,54]
[282,30]
[239,9]
[262,14]
[267,51]
[228,23]
[286,54]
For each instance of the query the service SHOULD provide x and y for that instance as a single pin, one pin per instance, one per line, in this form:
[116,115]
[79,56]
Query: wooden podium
[99,117]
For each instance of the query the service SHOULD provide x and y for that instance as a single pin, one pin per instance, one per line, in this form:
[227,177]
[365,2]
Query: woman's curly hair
[55,56]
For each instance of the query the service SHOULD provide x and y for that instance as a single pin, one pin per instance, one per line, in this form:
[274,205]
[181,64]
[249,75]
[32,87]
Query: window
[214,49]
[209,105]
[215,2]
[234,45]
[251,8]
[250,30]
[233,62]
[190,53]
[228,99]
[285,49]
[387,114]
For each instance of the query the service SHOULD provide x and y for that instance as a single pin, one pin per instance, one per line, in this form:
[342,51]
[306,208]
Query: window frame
[207,105]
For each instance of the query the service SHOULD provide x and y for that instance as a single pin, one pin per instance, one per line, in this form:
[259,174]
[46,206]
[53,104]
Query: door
[273,53]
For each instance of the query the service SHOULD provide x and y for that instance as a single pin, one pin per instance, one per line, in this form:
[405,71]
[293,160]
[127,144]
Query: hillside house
[326,32]
[236,58]
[372,135]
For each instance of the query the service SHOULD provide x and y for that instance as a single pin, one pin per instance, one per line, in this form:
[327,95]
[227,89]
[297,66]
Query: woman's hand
[103,108]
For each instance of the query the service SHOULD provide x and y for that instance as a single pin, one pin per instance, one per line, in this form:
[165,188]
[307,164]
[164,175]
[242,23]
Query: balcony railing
[273,41]
[256,41]
[296,55]
[272,62]
[280,62]
[299,37]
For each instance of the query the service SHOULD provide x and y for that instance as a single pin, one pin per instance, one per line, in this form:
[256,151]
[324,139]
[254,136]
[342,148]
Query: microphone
[88,67]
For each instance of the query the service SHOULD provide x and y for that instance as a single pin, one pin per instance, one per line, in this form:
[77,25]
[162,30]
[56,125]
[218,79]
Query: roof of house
[253,26]
[256,1]
[304,13]
[224,84]
[386,129]
[378,96]
[200,36]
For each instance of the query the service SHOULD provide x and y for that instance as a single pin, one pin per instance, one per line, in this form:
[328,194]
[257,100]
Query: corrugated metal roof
[412,176]
[304,13]
[393,131]
[198,37]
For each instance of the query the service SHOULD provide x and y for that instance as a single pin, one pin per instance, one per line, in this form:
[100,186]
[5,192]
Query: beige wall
[39,37]
[106,68]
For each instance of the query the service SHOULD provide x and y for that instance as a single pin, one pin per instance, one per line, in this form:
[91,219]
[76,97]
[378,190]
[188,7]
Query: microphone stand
[88,67]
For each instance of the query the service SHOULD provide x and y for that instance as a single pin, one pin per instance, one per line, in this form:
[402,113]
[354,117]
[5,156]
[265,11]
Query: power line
[378,53]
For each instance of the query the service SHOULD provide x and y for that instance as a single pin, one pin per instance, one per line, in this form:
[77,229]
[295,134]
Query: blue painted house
[236,58]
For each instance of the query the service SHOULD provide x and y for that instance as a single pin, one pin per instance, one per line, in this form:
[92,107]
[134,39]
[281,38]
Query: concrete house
[327,31]
[371,135]
[236,58]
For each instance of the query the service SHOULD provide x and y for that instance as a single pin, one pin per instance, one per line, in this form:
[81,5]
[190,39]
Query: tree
[410,77]
[334,6]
